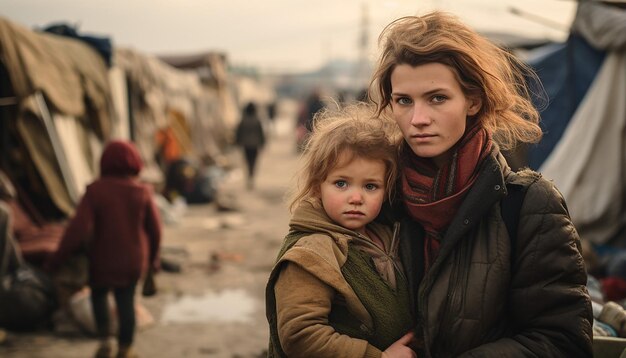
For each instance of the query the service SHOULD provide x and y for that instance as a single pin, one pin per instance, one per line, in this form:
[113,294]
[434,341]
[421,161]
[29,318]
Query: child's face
[430,108]
[353,192]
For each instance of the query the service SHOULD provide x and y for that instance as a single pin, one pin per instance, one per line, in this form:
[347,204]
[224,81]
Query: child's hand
[400,349]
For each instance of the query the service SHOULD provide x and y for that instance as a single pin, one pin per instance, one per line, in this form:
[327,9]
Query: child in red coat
[120,225]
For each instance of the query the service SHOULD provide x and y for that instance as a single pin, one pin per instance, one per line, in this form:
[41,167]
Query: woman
[477,291]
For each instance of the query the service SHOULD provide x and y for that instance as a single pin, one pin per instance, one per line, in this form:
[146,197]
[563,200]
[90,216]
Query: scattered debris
[169,265]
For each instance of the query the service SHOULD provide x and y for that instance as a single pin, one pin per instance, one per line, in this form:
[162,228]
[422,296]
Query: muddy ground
[214,307]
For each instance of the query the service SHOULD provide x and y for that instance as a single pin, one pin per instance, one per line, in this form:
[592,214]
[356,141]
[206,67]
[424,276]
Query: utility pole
[363,67]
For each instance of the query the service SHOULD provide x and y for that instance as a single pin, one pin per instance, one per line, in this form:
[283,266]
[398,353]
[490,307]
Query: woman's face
[430,108]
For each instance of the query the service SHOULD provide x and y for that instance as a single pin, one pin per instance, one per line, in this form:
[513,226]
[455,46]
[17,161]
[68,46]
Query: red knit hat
[120,158]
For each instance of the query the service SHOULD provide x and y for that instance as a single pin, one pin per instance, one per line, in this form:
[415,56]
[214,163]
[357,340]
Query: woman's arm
[549,304]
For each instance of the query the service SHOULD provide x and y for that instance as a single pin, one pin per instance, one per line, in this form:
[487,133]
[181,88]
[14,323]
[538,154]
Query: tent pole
[56,146]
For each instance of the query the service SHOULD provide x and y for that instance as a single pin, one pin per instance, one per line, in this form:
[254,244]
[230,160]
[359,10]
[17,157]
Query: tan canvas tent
[164,97]
[60,112]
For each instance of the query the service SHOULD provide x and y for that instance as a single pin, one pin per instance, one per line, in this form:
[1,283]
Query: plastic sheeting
[588,162]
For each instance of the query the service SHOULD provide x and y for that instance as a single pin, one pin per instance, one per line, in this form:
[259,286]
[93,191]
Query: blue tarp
[103,45]
[566,71]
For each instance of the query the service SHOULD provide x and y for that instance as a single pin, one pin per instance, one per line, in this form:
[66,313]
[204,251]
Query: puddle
[205,223]
[226,306]
[215,223]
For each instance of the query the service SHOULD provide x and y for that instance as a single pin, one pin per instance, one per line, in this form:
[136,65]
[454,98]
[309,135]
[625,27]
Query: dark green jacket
[477,300]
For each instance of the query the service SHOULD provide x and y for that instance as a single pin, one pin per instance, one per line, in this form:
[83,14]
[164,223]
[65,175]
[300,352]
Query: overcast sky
[272,34]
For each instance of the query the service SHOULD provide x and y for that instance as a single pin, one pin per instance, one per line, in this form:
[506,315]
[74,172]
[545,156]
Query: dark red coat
[120,224]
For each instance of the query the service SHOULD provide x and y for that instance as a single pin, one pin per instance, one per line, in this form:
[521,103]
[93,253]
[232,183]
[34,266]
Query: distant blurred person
[271,110]
[310,107]
[272,113]
[314,104]
[251,137]
[119,224]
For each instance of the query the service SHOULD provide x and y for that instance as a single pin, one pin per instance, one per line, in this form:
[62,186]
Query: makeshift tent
[54,117]
[212,69]
[584,149]
[61,94]
[172,105]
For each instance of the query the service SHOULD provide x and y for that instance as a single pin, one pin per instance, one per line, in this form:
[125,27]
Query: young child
[119,223]
[338,288]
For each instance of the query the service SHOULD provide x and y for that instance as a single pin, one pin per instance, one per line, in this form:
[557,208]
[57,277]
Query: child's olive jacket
[335,302]
[483,298]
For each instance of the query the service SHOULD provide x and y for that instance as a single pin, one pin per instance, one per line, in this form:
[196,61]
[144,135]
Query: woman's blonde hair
[355,130]
[482,69]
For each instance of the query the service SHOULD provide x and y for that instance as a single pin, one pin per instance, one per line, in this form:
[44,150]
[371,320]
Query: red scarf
[433,195]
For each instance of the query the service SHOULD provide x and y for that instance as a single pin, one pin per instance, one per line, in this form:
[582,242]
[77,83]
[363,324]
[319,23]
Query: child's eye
[341,184]
[371,187]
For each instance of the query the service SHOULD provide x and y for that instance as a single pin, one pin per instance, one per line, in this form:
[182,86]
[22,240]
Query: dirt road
[215,306]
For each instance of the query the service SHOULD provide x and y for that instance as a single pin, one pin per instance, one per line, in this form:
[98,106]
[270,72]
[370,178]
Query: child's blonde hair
[354,129]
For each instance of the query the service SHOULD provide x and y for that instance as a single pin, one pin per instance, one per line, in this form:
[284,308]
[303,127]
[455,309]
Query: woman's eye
[439,98]
[403,101]
[341,184]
